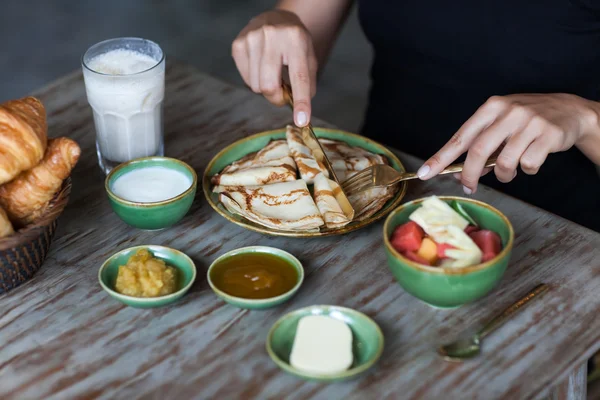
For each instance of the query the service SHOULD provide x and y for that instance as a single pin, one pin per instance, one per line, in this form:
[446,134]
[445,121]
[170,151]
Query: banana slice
[465,253]
[435,215]
[444,225]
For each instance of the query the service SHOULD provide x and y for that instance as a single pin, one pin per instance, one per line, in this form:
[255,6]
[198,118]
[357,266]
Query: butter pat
[323,345]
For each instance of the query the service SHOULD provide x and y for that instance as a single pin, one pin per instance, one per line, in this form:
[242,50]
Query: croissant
[23,139]
[6,228]
[26,197]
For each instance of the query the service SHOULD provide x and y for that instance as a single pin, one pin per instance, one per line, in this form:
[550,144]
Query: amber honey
[254,275]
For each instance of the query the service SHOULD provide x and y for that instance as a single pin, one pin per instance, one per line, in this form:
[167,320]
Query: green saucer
[107,275]
[257,304]
[367,343]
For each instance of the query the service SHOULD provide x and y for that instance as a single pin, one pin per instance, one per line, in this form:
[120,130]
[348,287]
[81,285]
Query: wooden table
[61,336]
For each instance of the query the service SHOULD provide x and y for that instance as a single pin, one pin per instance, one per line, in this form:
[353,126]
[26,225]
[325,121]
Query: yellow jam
[146,276]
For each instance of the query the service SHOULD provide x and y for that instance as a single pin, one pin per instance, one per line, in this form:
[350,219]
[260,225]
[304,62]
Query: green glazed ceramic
[450,287]
[258,141]
[155,215]
[258,304]
[367,341]
[107,275]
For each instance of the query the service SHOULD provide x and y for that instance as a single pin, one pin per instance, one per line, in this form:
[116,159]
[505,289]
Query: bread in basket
[34,188]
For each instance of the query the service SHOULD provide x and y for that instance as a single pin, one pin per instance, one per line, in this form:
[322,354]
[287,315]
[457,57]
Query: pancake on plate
[324,192]
[272,164]
[284,206]
[370,201]
[307,165]
[269,187]
[347,160]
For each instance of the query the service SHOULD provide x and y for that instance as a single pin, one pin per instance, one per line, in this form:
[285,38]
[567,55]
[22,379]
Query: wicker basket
[23,253]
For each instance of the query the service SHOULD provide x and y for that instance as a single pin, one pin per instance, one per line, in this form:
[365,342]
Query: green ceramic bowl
[155,215]
[450,287]
[107,275]
[367,343]
[257,304]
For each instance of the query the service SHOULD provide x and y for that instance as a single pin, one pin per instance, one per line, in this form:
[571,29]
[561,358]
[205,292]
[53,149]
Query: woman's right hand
[270,41]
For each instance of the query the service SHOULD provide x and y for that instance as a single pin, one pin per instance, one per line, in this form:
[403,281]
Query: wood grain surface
[62,337]
[572,388]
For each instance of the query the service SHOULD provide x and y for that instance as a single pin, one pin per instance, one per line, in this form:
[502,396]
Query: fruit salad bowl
[457,269]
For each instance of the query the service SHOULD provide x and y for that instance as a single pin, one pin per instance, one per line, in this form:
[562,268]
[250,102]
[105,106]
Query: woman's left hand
[524,128]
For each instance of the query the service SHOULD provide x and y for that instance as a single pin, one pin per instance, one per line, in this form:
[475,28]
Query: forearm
[323,19]
[589,143]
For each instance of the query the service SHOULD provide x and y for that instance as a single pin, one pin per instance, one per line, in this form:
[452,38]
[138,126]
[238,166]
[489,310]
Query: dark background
[43,40]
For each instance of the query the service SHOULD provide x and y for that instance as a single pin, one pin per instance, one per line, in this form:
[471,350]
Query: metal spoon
[470,347]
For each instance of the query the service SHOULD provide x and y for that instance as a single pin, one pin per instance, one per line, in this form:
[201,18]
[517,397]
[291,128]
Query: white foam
[122,62]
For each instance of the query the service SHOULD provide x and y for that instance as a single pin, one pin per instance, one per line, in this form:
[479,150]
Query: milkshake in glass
[125,86]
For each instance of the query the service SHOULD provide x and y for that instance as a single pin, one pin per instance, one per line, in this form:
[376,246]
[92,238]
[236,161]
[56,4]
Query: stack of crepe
[264,187]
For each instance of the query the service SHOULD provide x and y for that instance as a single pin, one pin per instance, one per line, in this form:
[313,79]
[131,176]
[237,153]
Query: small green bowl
[107,275]
[450,287]
[258,304]
[154,215]
[367,341]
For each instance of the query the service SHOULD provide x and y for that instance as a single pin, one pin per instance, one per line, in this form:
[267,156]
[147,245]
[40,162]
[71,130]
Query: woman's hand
[522,129]
[270,41]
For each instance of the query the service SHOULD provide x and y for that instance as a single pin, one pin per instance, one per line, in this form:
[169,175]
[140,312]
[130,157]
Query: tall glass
[125,86]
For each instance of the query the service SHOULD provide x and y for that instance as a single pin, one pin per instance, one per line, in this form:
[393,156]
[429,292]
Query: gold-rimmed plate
[258,141]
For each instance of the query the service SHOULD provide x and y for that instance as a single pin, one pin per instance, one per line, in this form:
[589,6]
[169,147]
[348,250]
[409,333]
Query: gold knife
[311,141]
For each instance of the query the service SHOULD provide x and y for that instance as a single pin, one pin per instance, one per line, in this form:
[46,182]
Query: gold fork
[383,175]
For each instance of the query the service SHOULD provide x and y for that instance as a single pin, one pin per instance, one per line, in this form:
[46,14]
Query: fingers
[239,52]
[270,71]
[509,157]
[535,155]
[255,45]
[510,125]
[300,78]
[458,175]
[463,138]
[480,151]
[260,54]
[313,67]
[551,140]
[519,132]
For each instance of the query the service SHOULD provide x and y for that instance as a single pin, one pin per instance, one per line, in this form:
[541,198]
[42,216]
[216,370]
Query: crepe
[272,164]
[324,194]
[370,201]
[283,206]
[307,165]
[347,160]
[263,187]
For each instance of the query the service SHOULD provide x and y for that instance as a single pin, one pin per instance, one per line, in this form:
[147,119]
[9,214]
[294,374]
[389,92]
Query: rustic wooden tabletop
[61,336]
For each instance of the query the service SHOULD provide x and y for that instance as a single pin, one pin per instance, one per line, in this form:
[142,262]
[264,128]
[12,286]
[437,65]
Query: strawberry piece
[489,242]
[407,237]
